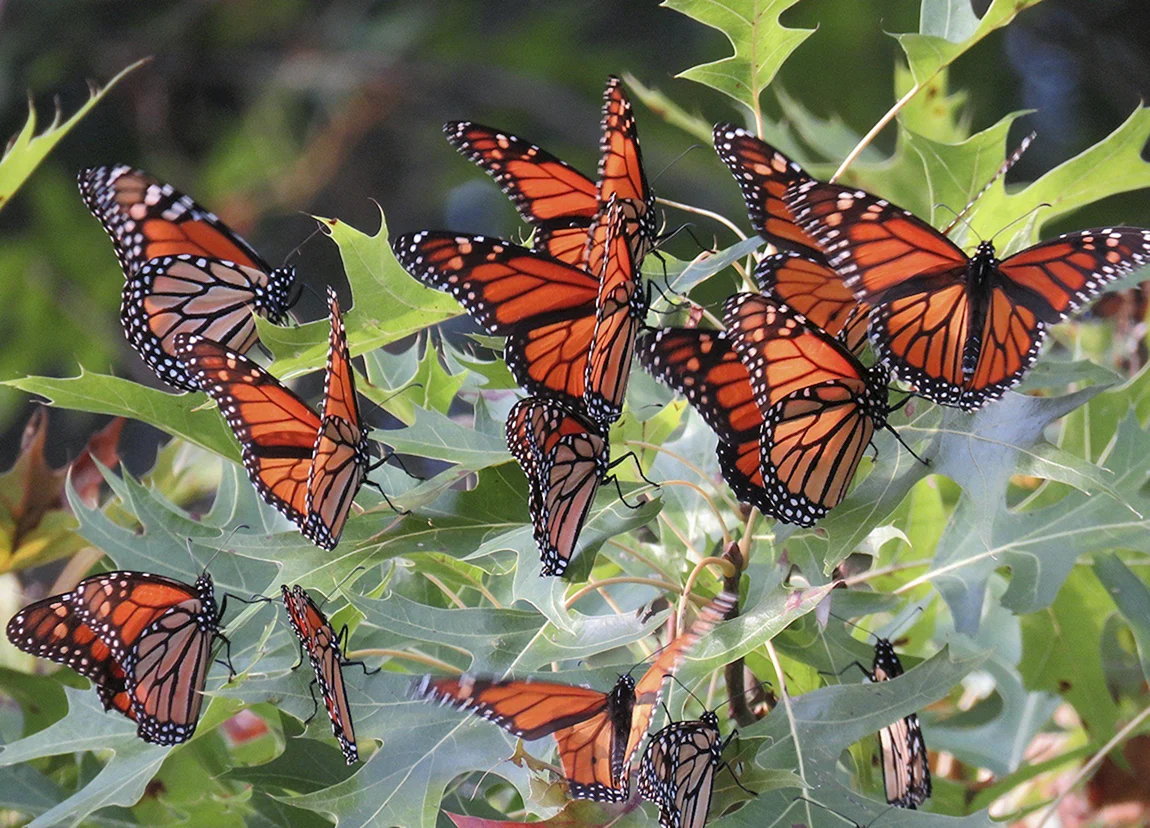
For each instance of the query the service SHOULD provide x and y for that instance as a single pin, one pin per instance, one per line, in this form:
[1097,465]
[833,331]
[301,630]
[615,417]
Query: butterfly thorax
[209,615]
[621,705]
[875,401]
[980,281]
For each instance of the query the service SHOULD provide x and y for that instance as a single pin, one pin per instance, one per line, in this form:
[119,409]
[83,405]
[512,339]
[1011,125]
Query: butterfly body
[820,406]
[321,643]
[905,771]
[565,460]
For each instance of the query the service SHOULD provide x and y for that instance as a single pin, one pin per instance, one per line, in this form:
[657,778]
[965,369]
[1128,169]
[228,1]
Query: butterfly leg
[341,640]
[314,701]
[902,442]
[227,659]
[390,505]
[858,664]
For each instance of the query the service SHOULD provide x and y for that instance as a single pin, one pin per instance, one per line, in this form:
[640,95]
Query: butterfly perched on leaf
[799,274]
[322,644]
[960,329]
[309,466]
[143,640]
[598,734]
[678,770]
[559,202]
[570,333]
[187,272]
[820,405]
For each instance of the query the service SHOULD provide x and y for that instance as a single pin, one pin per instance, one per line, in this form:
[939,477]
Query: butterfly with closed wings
[144,640]
[559,202]
[187,272]
[306,465]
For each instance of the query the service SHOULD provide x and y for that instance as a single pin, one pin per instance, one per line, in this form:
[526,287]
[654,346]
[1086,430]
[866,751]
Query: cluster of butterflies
[782,386]
[599,734]
[191,292]
[145,642]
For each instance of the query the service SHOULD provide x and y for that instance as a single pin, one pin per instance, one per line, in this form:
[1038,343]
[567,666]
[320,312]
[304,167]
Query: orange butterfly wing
[51,629]
[621,173]
[340,457]
[649,688]
[818,293]
[820,406]
[544,307]
[564,459]
[148,219]
[763,175]
[552,196]
[703,366]
[277,431]
[620,309]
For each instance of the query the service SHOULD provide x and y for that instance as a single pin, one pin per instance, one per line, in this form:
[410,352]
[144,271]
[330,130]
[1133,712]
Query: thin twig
[419,658]
[620,579]
[455,599]
[688,589]
[875,130]
[687,208]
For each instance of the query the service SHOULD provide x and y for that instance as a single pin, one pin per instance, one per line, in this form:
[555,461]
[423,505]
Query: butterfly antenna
[676,160]
[1023,217]
[1002,170]
[902,442]
[299,246]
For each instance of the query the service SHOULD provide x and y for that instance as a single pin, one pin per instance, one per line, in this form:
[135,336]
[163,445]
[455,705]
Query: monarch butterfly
[307,466]
[703,366]
[597,733]
[961,329]
[678,770]
[560,202]
[905,771]
[800,274]
[322,644]
[186,271]
[569,333]
[820,406]
[143,639]
[565,460]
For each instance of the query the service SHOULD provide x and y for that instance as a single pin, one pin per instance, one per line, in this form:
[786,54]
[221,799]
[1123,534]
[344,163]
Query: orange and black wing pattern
[621,173]
[144,639]
[620,311]
[148,219]
[186,271]
[564,459]
[551,195]
[703,366]
[51,629]
[818,293]
[319,640]
[678,770]
[340,459]
[764,174]
[820,406]
[649,688]
[277,431]
[545,308]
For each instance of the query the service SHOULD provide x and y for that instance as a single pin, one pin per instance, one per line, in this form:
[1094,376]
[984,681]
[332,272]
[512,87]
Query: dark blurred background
[264,110]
